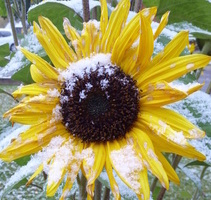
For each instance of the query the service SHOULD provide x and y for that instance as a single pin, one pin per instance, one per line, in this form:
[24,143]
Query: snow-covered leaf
[198,163]
[4,51]
[196,12]
[56,11]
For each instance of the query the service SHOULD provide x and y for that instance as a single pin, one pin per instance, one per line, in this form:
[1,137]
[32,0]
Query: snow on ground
[31,43]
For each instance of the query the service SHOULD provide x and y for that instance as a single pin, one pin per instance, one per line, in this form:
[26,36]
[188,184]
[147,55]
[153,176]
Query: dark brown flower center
[100,106]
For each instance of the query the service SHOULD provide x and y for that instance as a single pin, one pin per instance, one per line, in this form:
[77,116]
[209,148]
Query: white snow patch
[129,169]
[53,92]
[82,95]
[56,114]
[183,87]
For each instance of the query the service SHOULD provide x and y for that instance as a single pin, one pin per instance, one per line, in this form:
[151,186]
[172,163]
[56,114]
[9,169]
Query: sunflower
[101,103]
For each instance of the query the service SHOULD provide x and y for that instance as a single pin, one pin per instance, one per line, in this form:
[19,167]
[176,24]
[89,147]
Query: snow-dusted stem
[175,163]
[81,179]
[208,91]
[86,11]
[137,5]
[201,177]
[12,22]
[106,194]
[98,189]
[205,50]
[152,188]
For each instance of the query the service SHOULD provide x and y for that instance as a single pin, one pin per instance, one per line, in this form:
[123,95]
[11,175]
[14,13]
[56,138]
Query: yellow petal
[38,171]
[116,23]
[172,69]
[146,44]
[58,41]
[167,144]
[48,45]
[112,181]
[176,121]
[133,173]
[145,148]
[32,141]
[172,49]
[127,37]
[35,89]
[161,94]
[162,24]
[104,16]
[37,75]
[93,163]
[41,64]
[149,13]
[172,175]
[74,36]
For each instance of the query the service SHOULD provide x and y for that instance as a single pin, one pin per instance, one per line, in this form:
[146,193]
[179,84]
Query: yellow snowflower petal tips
[37,75]
[173,69]
[37,172]
[162,24]
[143,144]
[172,175]
[50,49]
[113,183]
[35,89]
[173,49]
[104,16]
[149,13]
[58,41]
[41,64]
[177,122]
[116,23]
[93,164]
[146,40]
[129,34]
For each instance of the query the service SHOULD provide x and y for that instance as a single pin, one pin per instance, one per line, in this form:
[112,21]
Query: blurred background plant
[192,15]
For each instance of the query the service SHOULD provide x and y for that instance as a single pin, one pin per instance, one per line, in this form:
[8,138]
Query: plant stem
[94,13]
[152,188]
[137,5]
[82,186]
[12,23]
[86,11]
[98,188]
[208,90]
[205,50]
[106,194]
[201,177]
[175,163]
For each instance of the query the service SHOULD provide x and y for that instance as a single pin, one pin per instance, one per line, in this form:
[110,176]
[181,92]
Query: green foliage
[22,161]
[23,75]
[4,51]
[151,3]
[197,163]
[56,12]
[3,11]
[196,12]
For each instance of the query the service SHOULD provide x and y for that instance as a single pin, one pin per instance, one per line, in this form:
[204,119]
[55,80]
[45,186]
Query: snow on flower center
[99,102]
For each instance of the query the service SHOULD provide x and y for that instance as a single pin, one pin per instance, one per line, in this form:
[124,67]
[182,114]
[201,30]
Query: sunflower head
[100,104]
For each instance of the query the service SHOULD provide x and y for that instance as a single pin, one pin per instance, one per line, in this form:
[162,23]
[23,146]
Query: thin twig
[137,5]
[106,194]
[175,163]
[82,186]
[208,90]
[152,188]
[86,11]
[98,188]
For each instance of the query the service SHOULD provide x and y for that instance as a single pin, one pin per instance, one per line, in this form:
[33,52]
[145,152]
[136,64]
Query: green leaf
[156,192]
[200,35]
[3,11]
[23,75]
[4,51]
[22,161]
[198,163]
[20,183]
[151,3]
[56,11]
[196,12]
[196,180]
